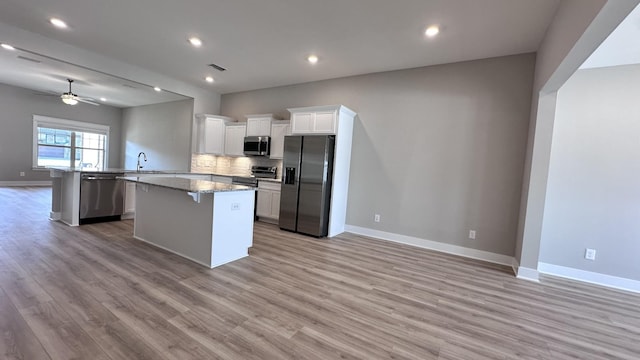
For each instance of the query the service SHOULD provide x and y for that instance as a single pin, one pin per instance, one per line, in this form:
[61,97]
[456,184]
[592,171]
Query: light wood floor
[93,292]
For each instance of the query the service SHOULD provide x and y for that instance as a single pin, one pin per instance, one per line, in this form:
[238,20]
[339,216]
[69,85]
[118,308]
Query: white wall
[577,29]
[593,194]
[16,129]
[162,132]
[436,151]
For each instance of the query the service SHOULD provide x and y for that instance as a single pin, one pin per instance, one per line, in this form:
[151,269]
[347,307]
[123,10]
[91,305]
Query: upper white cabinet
[234,139]
[279,129]
[211,131]
[316,120]
[259,125]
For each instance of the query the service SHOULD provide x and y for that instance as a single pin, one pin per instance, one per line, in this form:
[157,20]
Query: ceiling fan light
[69,99]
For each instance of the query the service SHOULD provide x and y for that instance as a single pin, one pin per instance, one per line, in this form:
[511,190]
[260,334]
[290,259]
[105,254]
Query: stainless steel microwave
[256,145]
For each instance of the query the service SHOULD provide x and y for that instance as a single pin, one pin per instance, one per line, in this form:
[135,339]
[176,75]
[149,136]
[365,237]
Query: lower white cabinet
[268,202]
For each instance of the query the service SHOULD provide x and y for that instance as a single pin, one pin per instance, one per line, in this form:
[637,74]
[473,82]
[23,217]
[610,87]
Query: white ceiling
[264,43]
[622,47]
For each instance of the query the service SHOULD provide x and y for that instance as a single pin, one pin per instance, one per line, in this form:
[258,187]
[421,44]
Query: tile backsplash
[228,165]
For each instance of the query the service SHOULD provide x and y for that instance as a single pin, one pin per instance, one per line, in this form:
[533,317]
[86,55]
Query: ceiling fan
[70,98]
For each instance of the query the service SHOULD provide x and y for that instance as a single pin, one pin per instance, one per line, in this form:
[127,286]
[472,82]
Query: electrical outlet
[376,217]
[21,173]
[590,254]
[235,206]
[472,234]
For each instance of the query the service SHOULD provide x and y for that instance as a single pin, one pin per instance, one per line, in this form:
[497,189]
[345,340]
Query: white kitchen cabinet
[314,122]
[279,129]
[234,140]
[268,202]
[211,133]
[259,125]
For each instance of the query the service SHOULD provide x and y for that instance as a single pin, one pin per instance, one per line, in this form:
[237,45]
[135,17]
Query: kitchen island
[66,204]
[207,222]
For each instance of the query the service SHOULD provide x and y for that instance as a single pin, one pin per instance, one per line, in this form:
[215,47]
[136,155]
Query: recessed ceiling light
[195,41]
[313,59]
[58,23]
[103,99]
[209,79]
[157,89]
[432,31]
[7,47]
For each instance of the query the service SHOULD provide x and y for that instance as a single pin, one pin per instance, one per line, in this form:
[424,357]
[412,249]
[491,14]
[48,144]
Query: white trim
[590,277]
[525,273]
[25,183]
[72,125]
[55,215]
[432,245]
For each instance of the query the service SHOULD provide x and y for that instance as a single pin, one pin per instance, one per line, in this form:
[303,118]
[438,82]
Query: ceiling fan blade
[88,101]
[42,93]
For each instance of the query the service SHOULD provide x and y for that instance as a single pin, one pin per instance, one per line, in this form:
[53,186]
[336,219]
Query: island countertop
[119,170]
[189,185]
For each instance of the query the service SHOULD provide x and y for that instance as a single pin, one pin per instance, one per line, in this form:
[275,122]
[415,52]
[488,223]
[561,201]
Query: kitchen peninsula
[207,222]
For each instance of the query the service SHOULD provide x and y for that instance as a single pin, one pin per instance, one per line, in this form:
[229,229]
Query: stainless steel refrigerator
[306,184]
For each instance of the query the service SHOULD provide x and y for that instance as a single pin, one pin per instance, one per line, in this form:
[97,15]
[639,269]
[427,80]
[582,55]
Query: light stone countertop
[118,170]
[277,180]
[189,185]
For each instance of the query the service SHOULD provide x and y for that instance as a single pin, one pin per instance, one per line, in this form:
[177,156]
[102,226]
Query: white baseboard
[25,183]
[127,216]
[525,273]
[432,245]
[590,277]
[55,215]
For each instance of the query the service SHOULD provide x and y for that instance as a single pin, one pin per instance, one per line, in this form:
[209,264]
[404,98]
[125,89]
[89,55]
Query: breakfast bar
[208,222]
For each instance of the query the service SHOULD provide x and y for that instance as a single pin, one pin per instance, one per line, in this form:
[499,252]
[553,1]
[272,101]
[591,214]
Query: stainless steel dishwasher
[101,197]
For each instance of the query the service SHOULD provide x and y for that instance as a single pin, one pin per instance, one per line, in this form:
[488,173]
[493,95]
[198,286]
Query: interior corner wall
[437,150]
[16,129]
[578,28]
[162,132]
[593,194]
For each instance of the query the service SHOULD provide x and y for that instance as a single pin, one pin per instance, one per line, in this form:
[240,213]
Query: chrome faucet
[145,160]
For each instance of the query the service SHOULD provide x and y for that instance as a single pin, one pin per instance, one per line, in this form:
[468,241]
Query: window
[67,143]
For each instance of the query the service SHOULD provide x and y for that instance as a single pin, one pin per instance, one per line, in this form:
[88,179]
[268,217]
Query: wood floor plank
[95,292]
[17,342]
[60,336]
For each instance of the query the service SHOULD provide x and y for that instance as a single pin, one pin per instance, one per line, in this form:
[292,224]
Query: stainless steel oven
[101,197]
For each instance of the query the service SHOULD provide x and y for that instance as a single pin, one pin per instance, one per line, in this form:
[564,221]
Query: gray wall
[16,129]
[437,150]
[593,195]
[162,131]
[578,28]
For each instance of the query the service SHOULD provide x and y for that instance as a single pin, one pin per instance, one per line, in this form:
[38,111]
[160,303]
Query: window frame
[69,125]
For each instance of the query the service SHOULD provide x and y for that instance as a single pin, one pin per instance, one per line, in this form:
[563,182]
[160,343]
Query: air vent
[217,67]
[29,59]
[129,86]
